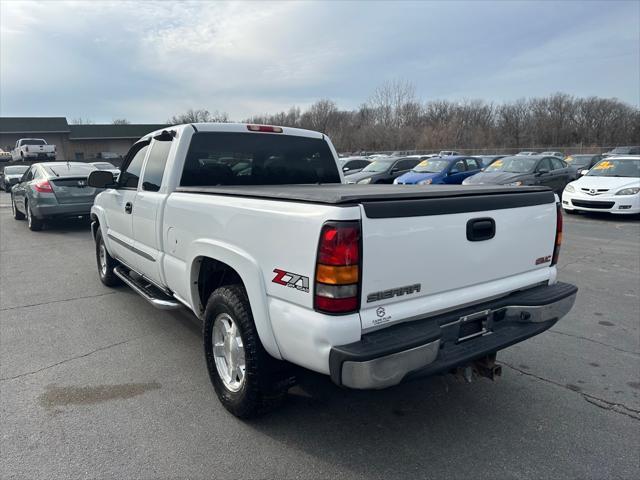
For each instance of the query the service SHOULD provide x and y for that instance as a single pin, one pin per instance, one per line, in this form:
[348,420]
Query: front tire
[34,223]
[17,215]
[106,263]
[247,380]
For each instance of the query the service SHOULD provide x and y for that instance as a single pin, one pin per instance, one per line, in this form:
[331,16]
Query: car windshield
[233,158]
[33,141]
[622,150]
[69,169]
[431,166]
[16,170]
[519,164]
[104,166]
[378,166]
[616,168]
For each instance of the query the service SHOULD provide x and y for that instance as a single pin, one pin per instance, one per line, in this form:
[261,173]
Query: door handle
[479,229]
[128,207]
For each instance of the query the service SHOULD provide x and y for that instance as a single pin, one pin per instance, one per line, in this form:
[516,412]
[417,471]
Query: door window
[403,165]
[154,169]
[545,164]
[28,176]
[473,164]
[459,167]
[557,164]
[131,175]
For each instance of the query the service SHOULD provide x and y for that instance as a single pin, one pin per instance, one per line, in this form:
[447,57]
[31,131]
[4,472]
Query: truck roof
[240,128]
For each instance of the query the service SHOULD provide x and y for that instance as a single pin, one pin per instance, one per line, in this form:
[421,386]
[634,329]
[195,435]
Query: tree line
[394,118]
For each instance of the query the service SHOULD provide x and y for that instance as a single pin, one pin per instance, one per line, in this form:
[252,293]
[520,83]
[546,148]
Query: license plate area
[474,325]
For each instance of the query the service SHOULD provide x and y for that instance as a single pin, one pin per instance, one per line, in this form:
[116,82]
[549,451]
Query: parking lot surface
[96,383]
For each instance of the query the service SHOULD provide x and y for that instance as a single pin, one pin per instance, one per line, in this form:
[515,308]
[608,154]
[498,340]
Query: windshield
[17,170]
[233,158]
[616,168]
[513,165]
[104,166]
[377,166]
[33,141]
[69,169]
[431,166]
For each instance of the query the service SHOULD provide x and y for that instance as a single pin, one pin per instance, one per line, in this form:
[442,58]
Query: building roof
[33,125]
[102,131]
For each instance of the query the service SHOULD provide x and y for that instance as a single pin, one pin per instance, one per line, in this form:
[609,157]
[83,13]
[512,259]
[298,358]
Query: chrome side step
[146,289]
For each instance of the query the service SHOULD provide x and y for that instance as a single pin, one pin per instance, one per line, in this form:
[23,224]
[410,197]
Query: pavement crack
[595,341]
[56,301]
[69,359]
[592,399]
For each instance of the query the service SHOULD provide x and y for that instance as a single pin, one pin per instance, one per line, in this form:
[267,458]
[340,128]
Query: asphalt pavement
[96,383]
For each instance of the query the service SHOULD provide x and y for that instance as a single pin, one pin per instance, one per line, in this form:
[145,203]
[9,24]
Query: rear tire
[248,381]
[34,223]
[106,263]
[17,215]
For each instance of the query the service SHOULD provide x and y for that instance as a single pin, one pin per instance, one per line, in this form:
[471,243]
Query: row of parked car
[546,168]
[12,174]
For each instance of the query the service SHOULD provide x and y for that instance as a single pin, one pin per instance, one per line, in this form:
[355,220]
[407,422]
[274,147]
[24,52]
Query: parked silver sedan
[53,190]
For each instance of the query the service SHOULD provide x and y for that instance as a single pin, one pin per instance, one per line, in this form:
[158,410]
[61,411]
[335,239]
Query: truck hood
[611,183]
[411,178]
[495,178]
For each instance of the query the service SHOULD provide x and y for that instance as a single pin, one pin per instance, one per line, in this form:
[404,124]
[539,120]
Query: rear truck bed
[448,274]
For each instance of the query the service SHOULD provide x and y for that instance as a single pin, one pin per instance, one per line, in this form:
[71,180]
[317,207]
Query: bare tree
[81,121]
[199,116]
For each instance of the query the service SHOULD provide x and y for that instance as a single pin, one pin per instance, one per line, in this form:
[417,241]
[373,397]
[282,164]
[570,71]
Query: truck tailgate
[422,257]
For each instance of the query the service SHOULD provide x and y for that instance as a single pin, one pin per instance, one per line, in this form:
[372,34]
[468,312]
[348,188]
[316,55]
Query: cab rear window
[231,158]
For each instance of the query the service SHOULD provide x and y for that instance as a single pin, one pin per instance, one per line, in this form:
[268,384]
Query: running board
[146,289]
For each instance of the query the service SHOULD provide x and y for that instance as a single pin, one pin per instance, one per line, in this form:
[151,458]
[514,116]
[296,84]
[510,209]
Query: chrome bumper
[502,325]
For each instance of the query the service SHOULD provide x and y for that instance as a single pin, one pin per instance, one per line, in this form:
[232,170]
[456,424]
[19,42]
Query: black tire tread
[110,279]
[266,379]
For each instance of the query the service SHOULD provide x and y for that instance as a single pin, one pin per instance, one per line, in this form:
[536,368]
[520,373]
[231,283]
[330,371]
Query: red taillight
[559,224]
[337,282]
[43,187]
[264,128]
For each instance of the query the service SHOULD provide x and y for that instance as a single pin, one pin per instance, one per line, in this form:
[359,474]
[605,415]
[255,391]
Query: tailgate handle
[479,229]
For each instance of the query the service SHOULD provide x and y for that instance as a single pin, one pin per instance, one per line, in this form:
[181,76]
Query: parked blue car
[441,170]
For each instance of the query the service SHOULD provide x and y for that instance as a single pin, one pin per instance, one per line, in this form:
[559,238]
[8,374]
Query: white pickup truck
[33,149]
[250,227]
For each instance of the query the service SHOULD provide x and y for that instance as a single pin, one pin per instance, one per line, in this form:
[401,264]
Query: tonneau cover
[341,194]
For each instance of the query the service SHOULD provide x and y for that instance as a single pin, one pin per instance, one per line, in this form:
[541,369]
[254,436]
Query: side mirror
[584,172]
[394,170]
[542,171]
[165,136]
[101,179]
[345,169]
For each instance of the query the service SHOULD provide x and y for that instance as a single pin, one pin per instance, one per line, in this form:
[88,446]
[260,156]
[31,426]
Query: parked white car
[251,228]
[612,185]
[33,149]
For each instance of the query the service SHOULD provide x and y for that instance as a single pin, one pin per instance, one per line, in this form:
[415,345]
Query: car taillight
[559,224]
[264,128]
[337,282]
[43,187]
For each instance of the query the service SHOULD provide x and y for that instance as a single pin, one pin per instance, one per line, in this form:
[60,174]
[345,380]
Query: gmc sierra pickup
[251,228]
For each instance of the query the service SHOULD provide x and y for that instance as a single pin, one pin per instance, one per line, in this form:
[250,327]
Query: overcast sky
[148,61]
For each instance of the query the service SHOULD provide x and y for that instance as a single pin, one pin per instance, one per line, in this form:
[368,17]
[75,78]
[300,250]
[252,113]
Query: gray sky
[147,61]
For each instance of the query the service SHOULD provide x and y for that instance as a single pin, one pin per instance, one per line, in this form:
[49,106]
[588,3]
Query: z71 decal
[293,280]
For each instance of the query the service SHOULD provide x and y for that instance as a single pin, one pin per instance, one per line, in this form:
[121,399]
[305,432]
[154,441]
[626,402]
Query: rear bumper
[61,210]
[439,344]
